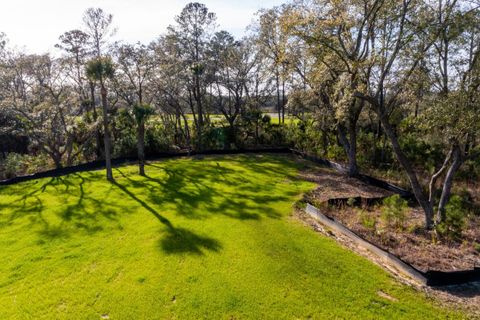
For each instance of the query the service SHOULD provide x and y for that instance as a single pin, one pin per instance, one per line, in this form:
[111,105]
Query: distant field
[217,118]
[195,239]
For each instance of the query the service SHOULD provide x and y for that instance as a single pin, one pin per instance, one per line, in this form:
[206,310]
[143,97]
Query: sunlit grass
[209,238]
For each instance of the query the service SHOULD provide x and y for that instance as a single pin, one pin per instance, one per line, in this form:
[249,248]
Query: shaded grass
[194,239]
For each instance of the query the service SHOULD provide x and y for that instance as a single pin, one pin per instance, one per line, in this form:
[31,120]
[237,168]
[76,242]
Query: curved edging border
[100,164]
[429,278]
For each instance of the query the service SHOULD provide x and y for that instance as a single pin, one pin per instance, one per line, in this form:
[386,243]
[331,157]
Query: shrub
[394,211]
[215,138]
[274,135]
[159,137]
[476,246]
[307,136]
[454,222]
[125,146]
[19,164]
[13,165]
[367,220]
[36,163]
[266,119]
[351,202]
[336,152]
[124,138]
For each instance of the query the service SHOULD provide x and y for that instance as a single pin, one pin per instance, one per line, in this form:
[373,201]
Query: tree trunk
[187,133]
[233,132]
[141,147]
[405,163]
[201,120]
[57,159]
[98,148]
[106,135]
[277,83]
[350,147]
[283,102]
[352,152]
[69,152]
[447,184]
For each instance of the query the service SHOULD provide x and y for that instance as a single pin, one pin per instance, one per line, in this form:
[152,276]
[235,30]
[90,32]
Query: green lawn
[288,120]
[209,238]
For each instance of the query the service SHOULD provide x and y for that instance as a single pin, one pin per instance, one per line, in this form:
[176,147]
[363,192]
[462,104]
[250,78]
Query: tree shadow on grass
[177,240]
[77,215]
[195,190]
[181,240]
[190,189]
[160,218]
[74,216]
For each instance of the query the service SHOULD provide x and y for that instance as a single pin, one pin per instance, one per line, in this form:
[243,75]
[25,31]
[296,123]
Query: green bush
[13,165]
[476,246]
[394,211]
[266,119]
[351,202]
[336,152]
[454,222]
[423,153]
[124,135]
[274,135]
[36,163]
[16,164]
[307,136]
[159,137]
[215,138]
[125,145]
[367,220]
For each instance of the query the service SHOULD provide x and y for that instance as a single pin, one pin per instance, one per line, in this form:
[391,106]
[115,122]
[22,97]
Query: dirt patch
[386,296]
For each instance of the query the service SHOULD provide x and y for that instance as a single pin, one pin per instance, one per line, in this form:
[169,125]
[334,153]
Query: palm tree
[101,69]
[141,113]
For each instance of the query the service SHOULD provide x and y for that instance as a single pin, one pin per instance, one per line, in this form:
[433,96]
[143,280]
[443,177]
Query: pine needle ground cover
[197,238]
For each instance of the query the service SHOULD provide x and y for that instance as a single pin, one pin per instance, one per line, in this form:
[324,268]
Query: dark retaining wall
[440,278]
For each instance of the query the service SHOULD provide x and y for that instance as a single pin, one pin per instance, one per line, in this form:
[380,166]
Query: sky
[35,25]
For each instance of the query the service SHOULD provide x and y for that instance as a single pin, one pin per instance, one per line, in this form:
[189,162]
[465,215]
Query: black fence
[100,164]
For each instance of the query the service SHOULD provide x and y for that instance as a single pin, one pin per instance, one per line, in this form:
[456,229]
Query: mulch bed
[334,185]
[411,244]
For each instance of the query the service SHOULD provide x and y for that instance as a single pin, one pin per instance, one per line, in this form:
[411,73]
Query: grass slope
[207,238]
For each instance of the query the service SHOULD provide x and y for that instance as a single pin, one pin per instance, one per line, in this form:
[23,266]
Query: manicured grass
[288,120]
[209,238]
